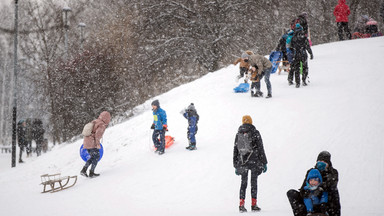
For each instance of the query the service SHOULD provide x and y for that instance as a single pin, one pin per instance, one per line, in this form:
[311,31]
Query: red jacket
[341,12]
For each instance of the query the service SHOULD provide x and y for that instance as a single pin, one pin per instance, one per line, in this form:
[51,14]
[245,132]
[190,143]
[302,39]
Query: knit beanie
[244,55]
[247,119]
[324,156]
[156,103]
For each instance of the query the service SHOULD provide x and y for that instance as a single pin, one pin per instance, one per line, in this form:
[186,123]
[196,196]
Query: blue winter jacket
[159,118]
[192,120]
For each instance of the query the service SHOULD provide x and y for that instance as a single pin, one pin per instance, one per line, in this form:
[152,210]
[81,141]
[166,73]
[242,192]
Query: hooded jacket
[100,124]
[255,160]
[260,62]
[341,12]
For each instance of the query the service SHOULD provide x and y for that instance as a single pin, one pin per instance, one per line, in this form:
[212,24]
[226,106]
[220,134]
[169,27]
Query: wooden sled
[51,180]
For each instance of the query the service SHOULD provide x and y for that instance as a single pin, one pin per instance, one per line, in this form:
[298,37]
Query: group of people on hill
[27,131]
[294,46]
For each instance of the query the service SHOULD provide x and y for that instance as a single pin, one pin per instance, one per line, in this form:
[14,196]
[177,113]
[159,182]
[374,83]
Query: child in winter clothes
[191,114]
[92,143]
[315,198]
[341,13]
[244,64]
[160,126]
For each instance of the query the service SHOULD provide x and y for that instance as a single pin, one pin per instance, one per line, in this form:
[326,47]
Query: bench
[56,182]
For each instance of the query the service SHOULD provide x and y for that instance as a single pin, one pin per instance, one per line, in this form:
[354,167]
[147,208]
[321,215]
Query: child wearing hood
[92,143]
[315,198]
[191,114]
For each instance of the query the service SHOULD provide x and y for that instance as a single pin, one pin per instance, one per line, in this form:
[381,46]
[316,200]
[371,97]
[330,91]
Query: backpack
[87,130]
[244,145]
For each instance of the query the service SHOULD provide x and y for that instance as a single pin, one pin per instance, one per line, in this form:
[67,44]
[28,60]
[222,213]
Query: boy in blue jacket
[315,198]
[160,126]
[191,114]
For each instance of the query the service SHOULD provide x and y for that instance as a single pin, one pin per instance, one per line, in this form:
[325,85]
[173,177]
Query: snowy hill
[340,111]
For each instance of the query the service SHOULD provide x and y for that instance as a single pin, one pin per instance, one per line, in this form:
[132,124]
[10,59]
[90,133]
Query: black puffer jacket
[255,160]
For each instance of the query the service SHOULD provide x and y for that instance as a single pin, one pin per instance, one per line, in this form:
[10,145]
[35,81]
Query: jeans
[266,74]
[94,159]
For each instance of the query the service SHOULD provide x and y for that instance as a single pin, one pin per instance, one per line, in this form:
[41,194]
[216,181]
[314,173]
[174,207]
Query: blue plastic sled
[274,57]
[84,153]
[243,87]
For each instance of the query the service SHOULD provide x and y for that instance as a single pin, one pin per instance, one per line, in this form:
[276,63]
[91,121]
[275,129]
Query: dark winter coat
[256,159]
[38,131]
[330,179]
[341,12]
[300,46]
[281,46]
[21,134]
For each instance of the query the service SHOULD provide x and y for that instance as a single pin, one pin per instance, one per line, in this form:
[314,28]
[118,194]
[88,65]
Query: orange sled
[168,141]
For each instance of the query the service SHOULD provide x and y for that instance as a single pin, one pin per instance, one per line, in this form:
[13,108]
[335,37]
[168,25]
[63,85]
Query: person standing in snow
[160,126]
[341,12]
[300,47]
[92,143]
[302,20]
[263,67]
[249,155]
[191,114]
[21,139]
[330,180]
[244,64]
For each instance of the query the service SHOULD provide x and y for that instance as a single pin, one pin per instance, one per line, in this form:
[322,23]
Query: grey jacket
[260,62]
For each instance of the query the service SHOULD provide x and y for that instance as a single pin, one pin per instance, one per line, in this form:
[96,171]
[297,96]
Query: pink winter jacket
[100,124]
[341,12]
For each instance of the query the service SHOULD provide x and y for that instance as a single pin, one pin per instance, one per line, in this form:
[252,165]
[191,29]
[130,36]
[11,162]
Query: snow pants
[159,145]
[244,182]
[297,65]
[191,134]
[94,159]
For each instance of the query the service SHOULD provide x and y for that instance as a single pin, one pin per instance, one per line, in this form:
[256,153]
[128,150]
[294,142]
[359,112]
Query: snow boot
[92,174]
[290,82]
[192,146]
[269,96]
[304,83]
[241,207]
[297,85]
[259,94]
[83,172]
[21,161]
[254,205]
[160,152]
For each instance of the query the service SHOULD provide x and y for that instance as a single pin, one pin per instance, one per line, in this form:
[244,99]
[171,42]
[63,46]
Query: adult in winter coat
[249,155]
[191,114]
[21,138]
[244,64]
[341,12]
[282,46]
[160,126]
[330,180]
[300,47]
[92,143]
[263,67]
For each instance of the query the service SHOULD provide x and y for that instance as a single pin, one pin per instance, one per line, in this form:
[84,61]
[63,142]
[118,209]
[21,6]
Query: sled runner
[243,87]
[51,180]
[274,57]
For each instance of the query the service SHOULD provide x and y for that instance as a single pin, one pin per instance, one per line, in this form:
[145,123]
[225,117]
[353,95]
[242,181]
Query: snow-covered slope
[340,111]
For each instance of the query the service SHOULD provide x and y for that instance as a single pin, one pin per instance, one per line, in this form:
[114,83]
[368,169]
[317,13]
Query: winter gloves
[311,56]
[265,168]
[153,126]
[165,127]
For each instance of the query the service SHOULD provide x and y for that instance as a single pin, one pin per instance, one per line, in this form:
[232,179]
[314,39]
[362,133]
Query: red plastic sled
[168,141]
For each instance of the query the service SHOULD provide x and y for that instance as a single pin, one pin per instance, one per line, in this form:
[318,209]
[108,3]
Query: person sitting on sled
[315,198]
[244,64]
[191,114]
